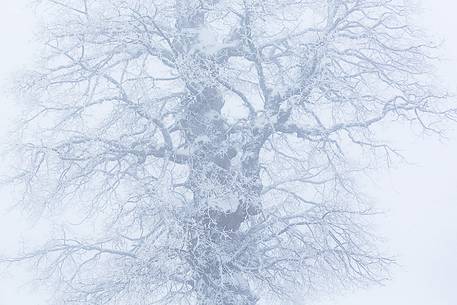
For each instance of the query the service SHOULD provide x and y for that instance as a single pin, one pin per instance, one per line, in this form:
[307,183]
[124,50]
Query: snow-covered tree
[206,151]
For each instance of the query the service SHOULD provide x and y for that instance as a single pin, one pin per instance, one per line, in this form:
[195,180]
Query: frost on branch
[211,145]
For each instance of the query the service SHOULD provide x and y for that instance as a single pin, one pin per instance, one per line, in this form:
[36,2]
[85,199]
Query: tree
[212,146]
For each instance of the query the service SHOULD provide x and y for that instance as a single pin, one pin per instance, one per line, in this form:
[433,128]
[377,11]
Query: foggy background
[419,198]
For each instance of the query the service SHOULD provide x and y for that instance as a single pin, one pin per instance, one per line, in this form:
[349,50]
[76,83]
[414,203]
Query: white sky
[420,200]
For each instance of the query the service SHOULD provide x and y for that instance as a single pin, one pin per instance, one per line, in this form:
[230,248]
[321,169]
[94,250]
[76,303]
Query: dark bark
[215,229]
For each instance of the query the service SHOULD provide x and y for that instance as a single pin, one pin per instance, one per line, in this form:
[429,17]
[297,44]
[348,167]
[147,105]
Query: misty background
[419,197]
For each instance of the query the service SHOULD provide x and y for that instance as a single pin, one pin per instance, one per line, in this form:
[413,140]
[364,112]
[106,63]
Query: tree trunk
[216,228]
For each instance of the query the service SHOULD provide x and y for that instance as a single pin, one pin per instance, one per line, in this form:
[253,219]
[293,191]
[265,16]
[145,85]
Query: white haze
[420,198]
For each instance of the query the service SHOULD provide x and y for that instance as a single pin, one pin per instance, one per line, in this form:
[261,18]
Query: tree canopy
[207,152]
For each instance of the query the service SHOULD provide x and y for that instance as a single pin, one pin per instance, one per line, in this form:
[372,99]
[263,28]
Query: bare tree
[205,152]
